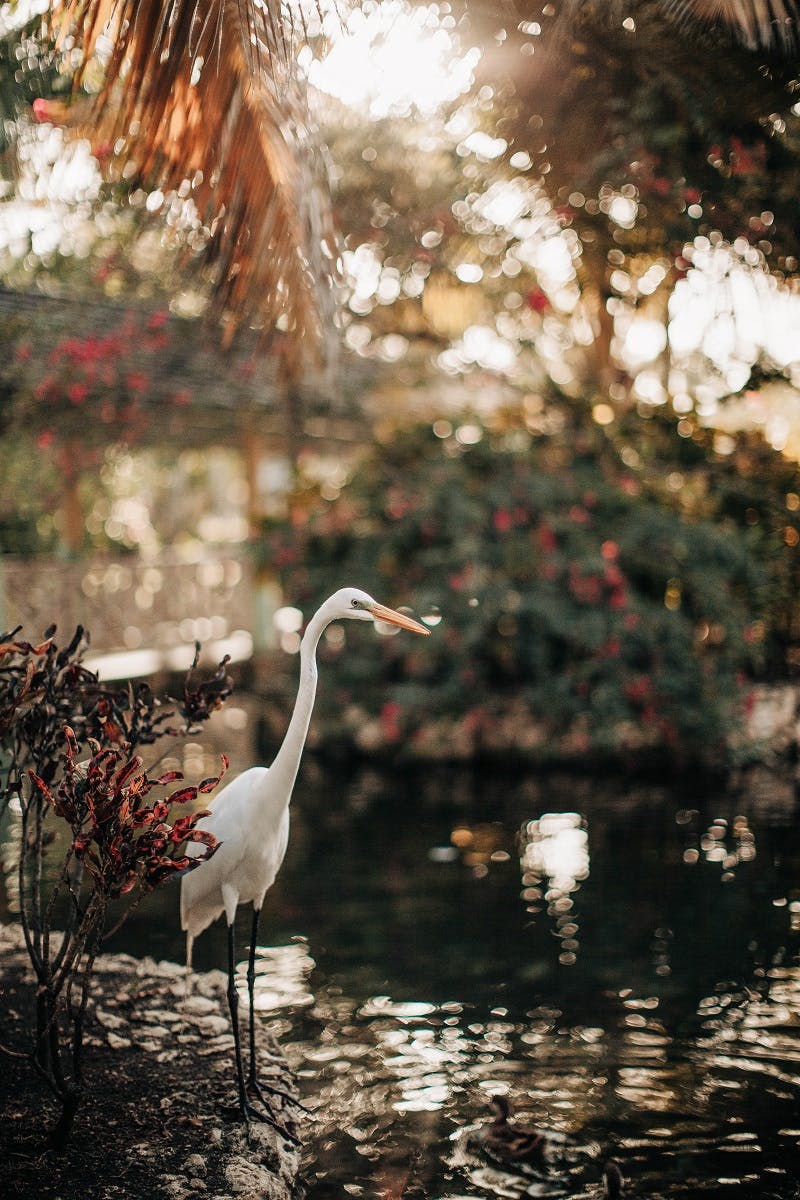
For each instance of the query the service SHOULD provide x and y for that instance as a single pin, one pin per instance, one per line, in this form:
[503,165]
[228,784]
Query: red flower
[502,520]
[77,392]
[537,301]
[609,551]
[42,110]
[578,514]
[638,689]
[389,721]
[137,381]
[546,539]
[611,649]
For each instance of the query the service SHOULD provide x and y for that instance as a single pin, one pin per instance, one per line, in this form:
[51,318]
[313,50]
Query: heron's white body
[244,867]
[250,817]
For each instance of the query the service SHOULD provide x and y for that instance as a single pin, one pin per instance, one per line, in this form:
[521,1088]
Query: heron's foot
[247,1112]
[259,1089]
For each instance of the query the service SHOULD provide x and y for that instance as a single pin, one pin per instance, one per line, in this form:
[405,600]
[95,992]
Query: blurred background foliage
[568,586]
[566,227]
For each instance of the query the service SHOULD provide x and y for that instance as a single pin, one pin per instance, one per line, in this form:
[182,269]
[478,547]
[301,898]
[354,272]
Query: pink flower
[609,551]
[136,381]
[546,539]
[578,514]
[77,392]
[611,649]
[389,721]
[502,520]
[638,689]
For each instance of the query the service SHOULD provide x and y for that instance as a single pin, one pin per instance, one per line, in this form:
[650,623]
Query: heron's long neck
[283,771]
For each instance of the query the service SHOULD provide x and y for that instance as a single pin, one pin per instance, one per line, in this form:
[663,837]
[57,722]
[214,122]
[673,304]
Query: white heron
[250,820]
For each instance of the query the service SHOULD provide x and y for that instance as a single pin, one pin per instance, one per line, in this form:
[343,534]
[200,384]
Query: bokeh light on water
[619,959]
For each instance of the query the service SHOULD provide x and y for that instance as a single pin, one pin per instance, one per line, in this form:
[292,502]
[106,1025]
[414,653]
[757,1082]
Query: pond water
[621,960]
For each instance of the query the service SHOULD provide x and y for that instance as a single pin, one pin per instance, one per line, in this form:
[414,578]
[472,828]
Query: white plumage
[250,820]
[243,868]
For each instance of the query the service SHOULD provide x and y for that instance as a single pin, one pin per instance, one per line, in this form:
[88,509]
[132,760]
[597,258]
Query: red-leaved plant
[70,756]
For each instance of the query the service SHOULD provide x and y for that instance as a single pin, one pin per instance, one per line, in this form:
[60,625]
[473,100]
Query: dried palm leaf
[758,22]
[201,98]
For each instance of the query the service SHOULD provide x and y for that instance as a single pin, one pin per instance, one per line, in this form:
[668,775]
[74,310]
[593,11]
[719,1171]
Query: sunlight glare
[389,59]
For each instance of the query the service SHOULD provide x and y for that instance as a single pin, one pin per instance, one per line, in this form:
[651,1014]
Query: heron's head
[353,604]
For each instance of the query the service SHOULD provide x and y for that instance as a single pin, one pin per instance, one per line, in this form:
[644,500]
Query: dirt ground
[158,1119]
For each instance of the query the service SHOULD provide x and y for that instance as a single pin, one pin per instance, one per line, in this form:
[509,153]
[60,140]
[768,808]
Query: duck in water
[613,1182]
[511,1143]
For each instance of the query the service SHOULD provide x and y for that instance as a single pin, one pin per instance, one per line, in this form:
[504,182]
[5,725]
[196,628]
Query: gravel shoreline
[159,1118]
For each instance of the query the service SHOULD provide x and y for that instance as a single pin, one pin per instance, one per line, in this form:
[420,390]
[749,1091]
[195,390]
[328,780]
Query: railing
[143,616]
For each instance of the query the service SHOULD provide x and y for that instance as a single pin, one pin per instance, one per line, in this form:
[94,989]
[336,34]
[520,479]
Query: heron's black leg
[247,1109]
[251,979]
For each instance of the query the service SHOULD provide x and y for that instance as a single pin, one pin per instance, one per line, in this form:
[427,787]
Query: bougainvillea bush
[73,771]
[582,612]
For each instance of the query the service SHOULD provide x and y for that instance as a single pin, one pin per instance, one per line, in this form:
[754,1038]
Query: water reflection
[639,1001]
[554,861]
[281,980]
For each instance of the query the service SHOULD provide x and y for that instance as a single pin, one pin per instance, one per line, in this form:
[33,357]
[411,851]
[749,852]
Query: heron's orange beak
[381,613]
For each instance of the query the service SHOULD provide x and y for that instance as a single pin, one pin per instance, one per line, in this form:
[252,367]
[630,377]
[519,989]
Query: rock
[161,1016]
[116,1042]
[195,1165]
[176,1187]
[199,1005]
[110,1020]
[212,983]
[218,1046]
[197,1185]
[213,1025]
[158,1031]
[169,970]
[251,1180]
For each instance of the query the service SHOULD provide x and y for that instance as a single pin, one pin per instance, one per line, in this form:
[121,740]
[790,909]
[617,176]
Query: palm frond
[763,23]
[201,99]
[766,24]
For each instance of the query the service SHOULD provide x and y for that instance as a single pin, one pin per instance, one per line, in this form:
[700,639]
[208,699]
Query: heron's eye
[355,603]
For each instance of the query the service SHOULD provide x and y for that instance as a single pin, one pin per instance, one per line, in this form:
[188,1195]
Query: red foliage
[120,836]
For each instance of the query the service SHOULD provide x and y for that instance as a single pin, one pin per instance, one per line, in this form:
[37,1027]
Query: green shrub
[581,612]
